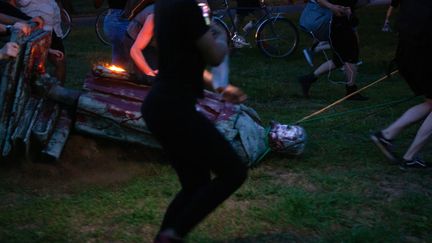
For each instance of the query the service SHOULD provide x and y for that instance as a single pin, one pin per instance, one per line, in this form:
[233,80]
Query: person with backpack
[344,42]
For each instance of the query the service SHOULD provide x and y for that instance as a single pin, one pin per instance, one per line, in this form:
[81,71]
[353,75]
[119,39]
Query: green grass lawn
[341,189]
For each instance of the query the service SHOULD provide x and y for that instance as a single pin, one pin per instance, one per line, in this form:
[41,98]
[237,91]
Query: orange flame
[116,69]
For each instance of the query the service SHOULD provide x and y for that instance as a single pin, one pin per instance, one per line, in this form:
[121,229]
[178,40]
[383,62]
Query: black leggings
[196,150]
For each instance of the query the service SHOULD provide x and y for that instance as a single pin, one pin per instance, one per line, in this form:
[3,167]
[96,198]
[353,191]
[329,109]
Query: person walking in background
[115,28]
[413,58]
[345,46]
[207,166]
[394,4]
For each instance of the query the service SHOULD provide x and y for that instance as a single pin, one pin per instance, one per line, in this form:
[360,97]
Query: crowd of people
[173,56]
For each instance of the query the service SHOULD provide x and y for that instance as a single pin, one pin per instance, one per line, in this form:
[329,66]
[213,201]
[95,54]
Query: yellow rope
[346,97]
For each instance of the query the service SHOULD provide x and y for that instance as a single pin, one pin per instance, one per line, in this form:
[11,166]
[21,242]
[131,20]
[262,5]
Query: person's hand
[339,10]
[39,21]
[9,50]
[233,94]
[56,53]
[152,73]
[23,27]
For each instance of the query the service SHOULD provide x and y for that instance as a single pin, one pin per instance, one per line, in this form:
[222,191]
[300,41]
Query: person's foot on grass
[306,83]
[417,163]
[385,145]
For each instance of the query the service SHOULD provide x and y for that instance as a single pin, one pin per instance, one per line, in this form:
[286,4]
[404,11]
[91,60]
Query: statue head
[287,139]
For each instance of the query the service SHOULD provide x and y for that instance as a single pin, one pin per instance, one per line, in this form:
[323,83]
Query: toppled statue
[37,113]
[111,108]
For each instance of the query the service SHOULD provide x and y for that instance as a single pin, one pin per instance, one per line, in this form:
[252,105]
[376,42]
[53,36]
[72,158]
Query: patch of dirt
[87,161]
[283,176]
[393,188]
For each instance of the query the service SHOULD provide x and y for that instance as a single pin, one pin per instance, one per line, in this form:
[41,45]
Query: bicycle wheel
[99,27]
[66,23]
[219,22]
[277,37]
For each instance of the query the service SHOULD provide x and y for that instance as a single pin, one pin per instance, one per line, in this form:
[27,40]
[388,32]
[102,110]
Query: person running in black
[195,147]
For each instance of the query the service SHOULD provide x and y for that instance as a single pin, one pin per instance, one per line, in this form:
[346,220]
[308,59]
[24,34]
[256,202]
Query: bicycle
[99,27]
[275,35]
[66,23]
[66,20]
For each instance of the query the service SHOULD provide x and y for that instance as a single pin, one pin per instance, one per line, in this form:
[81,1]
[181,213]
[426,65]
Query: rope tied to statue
[346,97]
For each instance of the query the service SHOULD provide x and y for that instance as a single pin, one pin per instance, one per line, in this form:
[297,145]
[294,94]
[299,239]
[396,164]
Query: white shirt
[47,9]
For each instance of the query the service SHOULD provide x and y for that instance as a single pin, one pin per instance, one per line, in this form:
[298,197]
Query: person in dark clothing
[413,59]
[195,147]
[115,28]
[344,43]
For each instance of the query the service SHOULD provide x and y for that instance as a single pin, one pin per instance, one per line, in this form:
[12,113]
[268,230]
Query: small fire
[115,68]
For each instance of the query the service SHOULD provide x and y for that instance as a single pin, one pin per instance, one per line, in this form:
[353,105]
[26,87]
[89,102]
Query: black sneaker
[306,82]
[385,145]
[414,163]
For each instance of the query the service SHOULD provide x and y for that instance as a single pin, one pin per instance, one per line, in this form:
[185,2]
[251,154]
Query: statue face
[288,139]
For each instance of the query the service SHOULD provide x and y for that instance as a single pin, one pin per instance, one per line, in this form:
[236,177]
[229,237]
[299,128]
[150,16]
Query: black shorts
[413,59]
[344,43]
[246,7]
[57,43]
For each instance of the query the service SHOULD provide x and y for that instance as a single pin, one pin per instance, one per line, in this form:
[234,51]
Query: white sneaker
[386,28]
[239,41]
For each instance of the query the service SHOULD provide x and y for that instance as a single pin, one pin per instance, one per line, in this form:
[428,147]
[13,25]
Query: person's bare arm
[338,10]
[10,20]
[143,39]
[6,19]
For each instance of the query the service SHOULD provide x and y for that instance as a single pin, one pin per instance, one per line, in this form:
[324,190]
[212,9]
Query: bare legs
[350,71]
[414,114]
